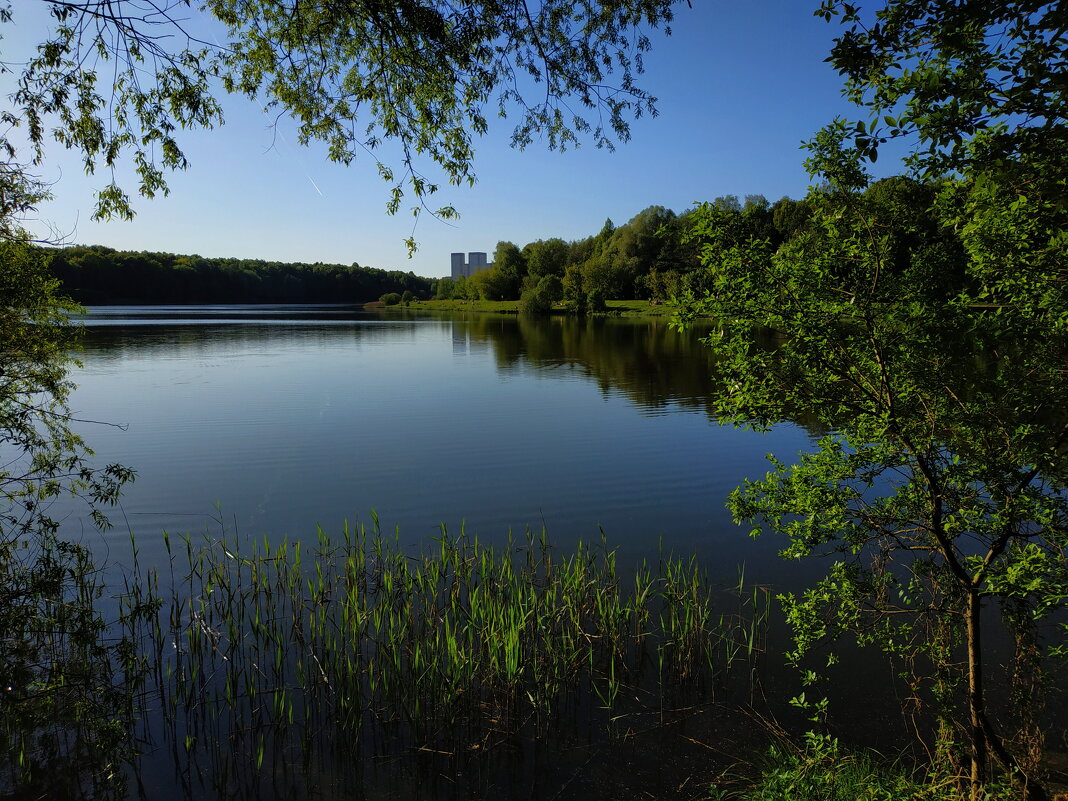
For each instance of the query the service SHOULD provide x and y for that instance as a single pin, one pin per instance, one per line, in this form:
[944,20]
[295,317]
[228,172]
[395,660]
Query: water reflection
[289,417]
[646,361]
[654,366]
[500,421]
[651,364]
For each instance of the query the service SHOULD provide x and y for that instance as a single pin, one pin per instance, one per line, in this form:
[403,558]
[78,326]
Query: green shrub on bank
[595,302]
[390,298]
[821,770]
[540,299]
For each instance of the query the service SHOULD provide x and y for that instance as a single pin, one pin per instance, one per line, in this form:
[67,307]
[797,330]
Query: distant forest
[653,256]
[98,275]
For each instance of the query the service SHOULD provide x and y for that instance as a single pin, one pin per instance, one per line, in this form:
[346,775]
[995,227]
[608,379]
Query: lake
[266,422]
[271,420]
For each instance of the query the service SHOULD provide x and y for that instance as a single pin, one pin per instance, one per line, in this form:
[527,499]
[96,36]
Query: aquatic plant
[331,653]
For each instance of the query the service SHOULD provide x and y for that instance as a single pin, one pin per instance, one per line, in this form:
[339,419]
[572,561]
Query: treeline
[101,275]
[648,257]
[656,255]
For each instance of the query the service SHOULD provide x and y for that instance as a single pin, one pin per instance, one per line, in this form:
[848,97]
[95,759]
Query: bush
[595,303]
[822,770]
[535,301]
[390,299]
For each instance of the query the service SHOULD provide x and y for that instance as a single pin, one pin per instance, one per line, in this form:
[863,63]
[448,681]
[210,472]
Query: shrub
[595,302]
[822,770]
[535,301]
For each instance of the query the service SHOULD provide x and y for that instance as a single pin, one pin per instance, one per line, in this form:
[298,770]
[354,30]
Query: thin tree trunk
[975,695]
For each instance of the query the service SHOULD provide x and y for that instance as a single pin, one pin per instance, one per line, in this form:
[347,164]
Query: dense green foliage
[978,87]
[941,490]
[100,275]
[650,257]
[922,323]
[44,457]
[823,770]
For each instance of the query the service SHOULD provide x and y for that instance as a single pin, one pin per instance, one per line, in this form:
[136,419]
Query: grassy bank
[616,308]
[818,768]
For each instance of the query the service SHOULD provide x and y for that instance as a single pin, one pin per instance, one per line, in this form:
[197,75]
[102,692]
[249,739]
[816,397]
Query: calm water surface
[268,421]
[272,420]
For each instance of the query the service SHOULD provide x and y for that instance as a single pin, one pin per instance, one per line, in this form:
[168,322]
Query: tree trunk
[975,695]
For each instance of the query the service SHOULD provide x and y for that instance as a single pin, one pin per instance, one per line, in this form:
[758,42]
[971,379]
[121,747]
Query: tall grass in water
[317,655]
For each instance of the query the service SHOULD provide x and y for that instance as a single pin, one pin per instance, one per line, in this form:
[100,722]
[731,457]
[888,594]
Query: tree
[444,290]
[546,257]
[574,294]
[941,490]
[755,203]
[922,323]
[508,259]
[980,85]
[539,300]
[45,457]
[788,217]
[494,284]
[607,230]
[119,80]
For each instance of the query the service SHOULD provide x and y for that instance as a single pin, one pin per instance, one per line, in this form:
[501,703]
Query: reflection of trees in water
[115,342]
[647,361]
[69,681]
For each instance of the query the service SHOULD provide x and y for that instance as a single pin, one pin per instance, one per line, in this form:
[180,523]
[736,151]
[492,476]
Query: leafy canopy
[44,457]
[121,80]
[972,87]
[922,324]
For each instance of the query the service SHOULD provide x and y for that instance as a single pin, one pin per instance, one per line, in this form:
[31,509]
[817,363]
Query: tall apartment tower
[458,266]
[475,262]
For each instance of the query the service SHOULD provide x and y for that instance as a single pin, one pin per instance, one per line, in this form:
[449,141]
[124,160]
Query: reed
[340,649]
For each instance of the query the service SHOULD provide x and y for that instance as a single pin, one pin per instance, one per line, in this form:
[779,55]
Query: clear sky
[740,86]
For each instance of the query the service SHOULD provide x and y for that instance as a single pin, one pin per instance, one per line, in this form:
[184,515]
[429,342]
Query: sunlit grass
[820,769]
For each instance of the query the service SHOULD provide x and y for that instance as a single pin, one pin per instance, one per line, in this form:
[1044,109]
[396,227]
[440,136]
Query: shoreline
[616,308]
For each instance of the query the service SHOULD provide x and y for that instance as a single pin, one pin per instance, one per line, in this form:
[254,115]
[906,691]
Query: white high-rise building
[476,260]
[458,266]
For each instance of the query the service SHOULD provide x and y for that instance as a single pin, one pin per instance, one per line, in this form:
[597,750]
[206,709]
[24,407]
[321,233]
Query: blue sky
[740,86]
